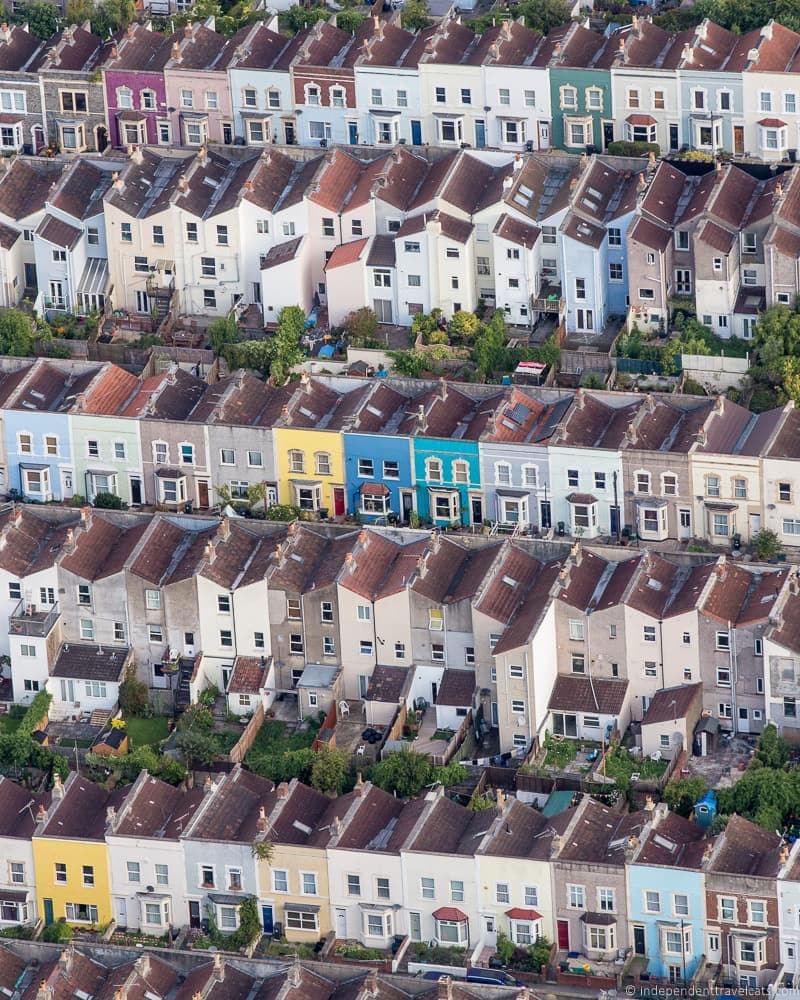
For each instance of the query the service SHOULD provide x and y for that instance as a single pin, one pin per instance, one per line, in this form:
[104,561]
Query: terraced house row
[583,241]
[581,463]
[520,636]
[369,867]
[509,88]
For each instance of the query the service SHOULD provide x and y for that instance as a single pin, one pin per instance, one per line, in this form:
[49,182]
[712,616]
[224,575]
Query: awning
[374,490]
[300,908]
[33,466]
[598,919]
[170,474]
[13,896]
[713,505]
[641,120]
[229,899]
[449,913]
[772,123]
[384,113]
[517,913]
[306,483]
[512,493]
[154,895]
[94,280]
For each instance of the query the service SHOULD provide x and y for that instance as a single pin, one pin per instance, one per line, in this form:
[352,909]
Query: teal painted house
[580,91]
[445,423]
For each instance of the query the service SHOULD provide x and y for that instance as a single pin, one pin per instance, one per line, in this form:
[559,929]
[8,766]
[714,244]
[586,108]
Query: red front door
[338,501]
[563,935]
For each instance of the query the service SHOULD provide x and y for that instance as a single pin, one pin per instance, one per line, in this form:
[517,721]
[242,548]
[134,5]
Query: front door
[202,493]
[544,135]
[674,137]
[341,924]
[489,931]
[136,490]
[608,133]
[30,276]
[744,721]
[416,133]
[563,935]
[480,133]
[684,524]
[289,134]
[383,310]
[755,524]
[121,911]
[476,510]
[738,139]
[194,913]
[48,911]
[614,519]
[546,516]
[267,919]
[226,677]
[407,505]
[639,947]
[339,508]
[352,133]
[66,484]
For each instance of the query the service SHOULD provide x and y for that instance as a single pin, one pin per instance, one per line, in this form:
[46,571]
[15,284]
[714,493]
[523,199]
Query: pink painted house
[197,84]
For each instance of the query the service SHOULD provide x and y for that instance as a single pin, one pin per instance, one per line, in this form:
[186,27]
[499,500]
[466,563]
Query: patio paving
[720,769]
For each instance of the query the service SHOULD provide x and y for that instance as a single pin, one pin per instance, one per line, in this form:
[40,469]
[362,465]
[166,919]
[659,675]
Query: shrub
[108,501]
[766,545]
[58,933]
[622,147]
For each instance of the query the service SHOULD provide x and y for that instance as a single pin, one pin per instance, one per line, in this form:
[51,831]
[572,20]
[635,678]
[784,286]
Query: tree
[415,15]
[410,364]
[40,16]
[489,350]
[766,545]
[133,698]
[349,21]
[16,333]
[79,11]
[464,326]
[681,794]
[772,750]
[404,773]
[222,332]
[286,351]
[544,15]
[197,744]
[296,18]
[361,324]
[111,15]
[329,770]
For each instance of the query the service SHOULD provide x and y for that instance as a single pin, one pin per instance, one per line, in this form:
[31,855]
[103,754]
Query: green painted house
[580,91]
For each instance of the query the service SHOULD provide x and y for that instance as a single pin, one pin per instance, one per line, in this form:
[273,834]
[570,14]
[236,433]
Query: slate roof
[310,559]
[232,810]
[673,703]
[102,548]
[29,542]
[747,849]
[456,688]
[26,184]
[600,834]
[88,661]
[158,810]
[387,684]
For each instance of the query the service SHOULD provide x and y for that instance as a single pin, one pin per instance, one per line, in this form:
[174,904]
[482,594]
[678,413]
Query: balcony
[548,299]
[31,620]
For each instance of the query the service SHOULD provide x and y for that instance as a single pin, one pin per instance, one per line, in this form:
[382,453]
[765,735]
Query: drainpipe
[661,645]
[733,666]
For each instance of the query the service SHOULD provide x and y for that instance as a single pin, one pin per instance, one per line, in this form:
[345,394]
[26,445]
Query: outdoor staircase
[183,696]
[100,718]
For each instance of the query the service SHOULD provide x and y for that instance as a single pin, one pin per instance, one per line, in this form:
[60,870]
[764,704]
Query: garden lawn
[9,724]
[147,732]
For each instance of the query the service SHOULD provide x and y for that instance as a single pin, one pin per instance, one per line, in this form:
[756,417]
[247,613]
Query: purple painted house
[133,78]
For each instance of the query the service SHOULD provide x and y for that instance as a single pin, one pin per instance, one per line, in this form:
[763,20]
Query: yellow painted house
[293,883]
[70,855]
[309,448]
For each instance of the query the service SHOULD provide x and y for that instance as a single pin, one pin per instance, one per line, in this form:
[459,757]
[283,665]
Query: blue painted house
[445,423]
[594,263]
[36,429]
[711,89]
[666,889]
[378,467]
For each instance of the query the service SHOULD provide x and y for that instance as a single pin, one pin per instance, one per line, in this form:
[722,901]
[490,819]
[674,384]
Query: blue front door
[480,134]
[266,919]
[416,133]
[352,133]
[48,911]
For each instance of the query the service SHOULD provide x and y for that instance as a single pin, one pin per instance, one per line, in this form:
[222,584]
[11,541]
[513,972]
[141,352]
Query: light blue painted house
[666,897]
[594,263]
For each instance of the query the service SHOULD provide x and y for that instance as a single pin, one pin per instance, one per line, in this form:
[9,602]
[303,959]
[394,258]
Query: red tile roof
[346,253]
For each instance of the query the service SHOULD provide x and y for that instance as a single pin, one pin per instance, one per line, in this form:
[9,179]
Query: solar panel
[519,412]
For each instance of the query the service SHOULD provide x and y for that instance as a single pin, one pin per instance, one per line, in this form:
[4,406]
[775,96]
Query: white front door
[684,524]
[489,931]
[544,135]
[755,524]
[66,484]
[341,924]
[744,721]
[121,911]
[712,947]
